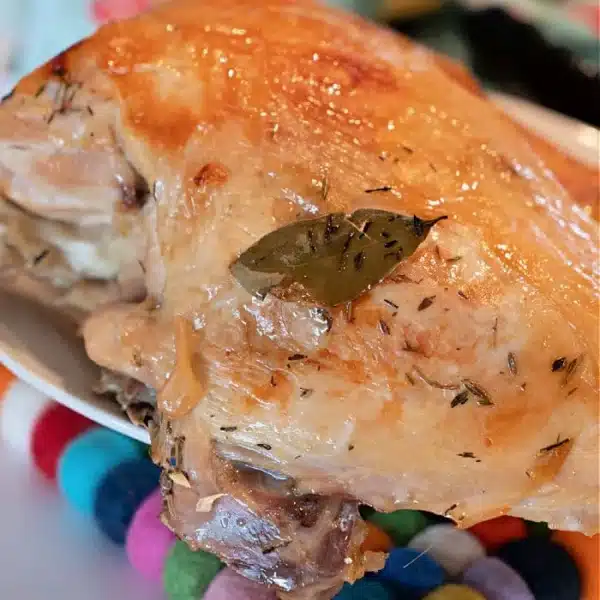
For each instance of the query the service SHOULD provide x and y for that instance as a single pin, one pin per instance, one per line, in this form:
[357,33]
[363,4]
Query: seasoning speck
[385,328]
[297,357]
[559,364]
[460,399]
[426,303]
[512,363]
[467,455]
[383,188]
[483,398]
[554,446]
[359,259]
[390,303]
[571,368]
[450,509]
[229,428]
[305,392]
[351,447]
[265,446]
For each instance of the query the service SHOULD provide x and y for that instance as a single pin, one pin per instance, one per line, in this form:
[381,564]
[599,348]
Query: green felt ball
[188,573]
[400,525]
[538,529]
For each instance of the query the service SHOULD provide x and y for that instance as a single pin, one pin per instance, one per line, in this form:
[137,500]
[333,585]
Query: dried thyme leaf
[265,446]
[460,399]
[554,446]
[483,398]
[467,455]
[450,509]
[571,369]
[512,363]
[335,258]
[433,382]
[385,328]
[426,303]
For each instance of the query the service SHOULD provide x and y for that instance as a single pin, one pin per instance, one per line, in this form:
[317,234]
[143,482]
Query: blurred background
[545,50]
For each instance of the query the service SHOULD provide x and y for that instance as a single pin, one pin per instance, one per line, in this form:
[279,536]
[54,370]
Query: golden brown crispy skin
[243,116]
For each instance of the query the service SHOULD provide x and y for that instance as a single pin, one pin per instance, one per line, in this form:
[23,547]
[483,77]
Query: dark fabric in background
[513,57]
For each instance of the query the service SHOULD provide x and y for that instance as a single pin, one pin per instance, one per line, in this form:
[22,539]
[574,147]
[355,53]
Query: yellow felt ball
[454,592]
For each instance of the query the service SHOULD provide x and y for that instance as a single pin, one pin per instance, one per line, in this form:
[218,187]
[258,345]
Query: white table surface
[50,552]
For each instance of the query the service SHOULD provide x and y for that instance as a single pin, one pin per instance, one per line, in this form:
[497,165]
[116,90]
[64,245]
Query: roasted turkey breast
[459,377]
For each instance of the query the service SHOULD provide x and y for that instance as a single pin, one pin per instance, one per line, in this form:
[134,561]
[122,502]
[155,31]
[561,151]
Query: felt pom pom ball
[188,573]
[228,585]
[87,460]
[148,540]
[121,492]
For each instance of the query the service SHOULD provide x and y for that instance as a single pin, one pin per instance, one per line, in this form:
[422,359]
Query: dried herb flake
[482,396]
[450,509]
[385,328]
[554,446]
[229,428]
[265,446]
[383,188]
[426,303]
[460,399]
[558,364]
[512,363]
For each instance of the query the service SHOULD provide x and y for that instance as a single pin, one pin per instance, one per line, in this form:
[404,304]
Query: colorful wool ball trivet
[547,568]
[189,573]
[55,429]
[148,540]
[496,580]
[454,549]
[412,570]
[497,532]
[21,408]
[453,591]
[586,553]
[86,462]
[228,585]
[400,525]
[367,589]
[120,493]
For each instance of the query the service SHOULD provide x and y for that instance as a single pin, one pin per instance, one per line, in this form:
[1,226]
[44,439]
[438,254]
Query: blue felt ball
[86,461]
[121,493]
[547,568]
[366,589]
[412,571]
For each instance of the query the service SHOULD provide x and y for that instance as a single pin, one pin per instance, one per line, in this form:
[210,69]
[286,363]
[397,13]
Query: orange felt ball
[499,531]
[6,378]
[376,540]
[586,553]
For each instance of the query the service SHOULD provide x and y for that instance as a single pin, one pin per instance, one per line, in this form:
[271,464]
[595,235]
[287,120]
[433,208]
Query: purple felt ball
[228,585]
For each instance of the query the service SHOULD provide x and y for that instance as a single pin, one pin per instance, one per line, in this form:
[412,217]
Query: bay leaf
[335,258]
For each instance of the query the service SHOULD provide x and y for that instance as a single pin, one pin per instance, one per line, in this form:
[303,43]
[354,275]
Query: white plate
[39,348]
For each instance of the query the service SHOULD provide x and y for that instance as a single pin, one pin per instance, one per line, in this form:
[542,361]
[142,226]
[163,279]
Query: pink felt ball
[111,10]
[148,540]
[228,585]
